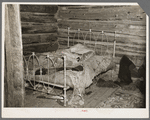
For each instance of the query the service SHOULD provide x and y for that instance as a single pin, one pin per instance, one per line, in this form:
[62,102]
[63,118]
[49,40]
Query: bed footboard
[32,63]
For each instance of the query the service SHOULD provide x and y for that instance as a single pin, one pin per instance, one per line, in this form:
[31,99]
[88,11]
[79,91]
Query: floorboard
[98,94]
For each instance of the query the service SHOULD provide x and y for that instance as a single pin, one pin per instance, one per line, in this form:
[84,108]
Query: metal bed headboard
[90,32]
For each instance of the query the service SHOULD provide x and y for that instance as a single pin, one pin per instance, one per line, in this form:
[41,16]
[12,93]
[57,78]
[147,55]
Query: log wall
[129,22]
[39,27]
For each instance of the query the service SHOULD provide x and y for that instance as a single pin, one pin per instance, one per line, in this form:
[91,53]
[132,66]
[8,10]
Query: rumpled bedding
[79,80]
[75,55]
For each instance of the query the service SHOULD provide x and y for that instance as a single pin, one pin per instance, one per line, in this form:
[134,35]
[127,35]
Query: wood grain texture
[134,13]
[107,36]
[34,29]
[37,17]
[105,43]
[129,29]
[86,7]
[38,38]
[14,57]
[52,9]
[39,27]
[85,24]
[40,47]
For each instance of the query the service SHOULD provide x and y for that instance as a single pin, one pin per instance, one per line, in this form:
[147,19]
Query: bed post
[68,36]
[114,46]
[102,41]
[114,51]
[33,54]
[64,80]
[78,34]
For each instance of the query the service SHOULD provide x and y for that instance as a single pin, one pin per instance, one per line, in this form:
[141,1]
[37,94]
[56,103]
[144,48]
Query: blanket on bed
[75,55]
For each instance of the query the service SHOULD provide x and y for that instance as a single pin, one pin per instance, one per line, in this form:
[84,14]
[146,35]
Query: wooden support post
[14,57]
[65,81]
[68,37]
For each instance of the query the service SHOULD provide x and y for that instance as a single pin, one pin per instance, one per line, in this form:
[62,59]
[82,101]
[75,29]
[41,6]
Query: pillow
[80,49]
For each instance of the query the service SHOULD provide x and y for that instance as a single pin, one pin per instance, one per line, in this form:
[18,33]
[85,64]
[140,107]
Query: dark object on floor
[88,93]
[142,70]
[45,71]
[142,73]
[141,86]
[126,68]
[103,83]
[41,96]
[77,68]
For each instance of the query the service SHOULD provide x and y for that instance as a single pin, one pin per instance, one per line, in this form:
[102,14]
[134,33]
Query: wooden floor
[98,94]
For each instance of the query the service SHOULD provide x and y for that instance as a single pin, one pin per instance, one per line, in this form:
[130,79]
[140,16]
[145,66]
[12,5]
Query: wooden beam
[129,28]
[34,29]
[103,43]
[37,17]
[134,13]
[14,56]
[119,39]
[104,22]
[40,47]
[39,8]
[97,32]
[38,38]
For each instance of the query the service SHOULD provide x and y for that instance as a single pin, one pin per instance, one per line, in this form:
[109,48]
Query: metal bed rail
[34,82]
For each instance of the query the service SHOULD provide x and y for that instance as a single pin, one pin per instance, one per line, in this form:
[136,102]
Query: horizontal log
[38,24]
[136,40]
[99,16]
[105,43]
[38,38]
[118,13]
[66,7]
[33,29]
[97,32]
[37,17]
[73,24]
[39,8]
[134,30]
[36,44]
[118,28]
[129,22]
[39,48]
[98,9]
[86,7]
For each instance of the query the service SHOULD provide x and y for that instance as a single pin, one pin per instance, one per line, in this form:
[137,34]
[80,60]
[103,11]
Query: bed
[74,67]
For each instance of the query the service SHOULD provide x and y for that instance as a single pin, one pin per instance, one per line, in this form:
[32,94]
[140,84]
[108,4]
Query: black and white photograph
[74,57]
